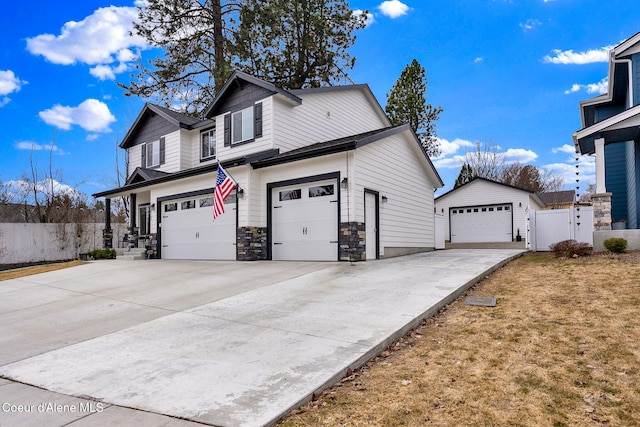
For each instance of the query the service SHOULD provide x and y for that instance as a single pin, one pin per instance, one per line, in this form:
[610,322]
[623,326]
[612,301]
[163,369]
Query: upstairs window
[153,154]
[208,144]
[242,125]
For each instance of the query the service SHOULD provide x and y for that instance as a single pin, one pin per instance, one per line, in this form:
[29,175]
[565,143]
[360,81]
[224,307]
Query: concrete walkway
[219,343]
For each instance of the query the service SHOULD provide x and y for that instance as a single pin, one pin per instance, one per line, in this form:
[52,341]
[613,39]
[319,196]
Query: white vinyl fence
[35,242]
[548,227]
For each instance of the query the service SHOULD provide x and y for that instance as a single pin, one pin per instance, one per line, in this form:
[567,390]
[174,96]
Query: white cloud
[478,59]
[519,155]
[601,87]
[530,24]
[566,148]
[448,148]
[567,171]
[92,137]
[31,145]
[580,58]
[102,72]
[393,8]
[100,39]
[91,115]
[9,83]
[368,20]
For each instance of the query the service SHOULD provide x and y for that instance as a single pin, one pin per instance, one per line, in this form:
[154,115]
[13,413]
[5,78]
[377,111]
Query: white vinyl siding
[135,158]
[479,193]
[243,149]
[394,168]
[323,117]
[171,152]
[300,169]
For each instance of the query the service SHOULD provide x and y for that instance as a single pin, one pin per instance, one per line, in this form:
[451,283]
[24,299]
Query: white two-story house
[321,175]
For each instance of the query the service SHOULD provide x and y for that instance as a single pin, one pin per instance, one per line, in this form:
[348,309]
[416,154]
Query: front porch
[615,141]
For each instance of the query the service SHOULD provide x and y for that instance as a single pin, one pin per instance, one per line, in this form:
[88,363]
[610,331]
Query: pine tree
[297,43]
[466,175]
[291,43]
[406,103]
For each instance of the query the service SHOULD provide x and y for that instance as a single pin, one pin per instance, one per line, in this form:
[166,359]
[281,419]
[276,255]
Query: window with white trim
[208,144]
[152,154]
[242,125]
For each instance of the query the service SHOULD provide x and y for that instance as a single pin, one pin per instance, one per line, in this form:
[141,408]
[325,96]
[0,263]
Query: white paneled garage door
[189,232]
[477,224]
[304,222]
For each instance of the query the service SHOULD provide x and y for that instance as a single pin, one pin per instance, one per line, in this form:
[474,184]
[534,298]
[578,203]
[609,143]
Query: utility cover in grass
[481,301]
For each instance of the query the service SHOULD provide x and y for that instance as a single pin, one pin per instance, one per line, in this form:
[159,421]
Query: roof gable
[242,89]
[480,179]
[154,121]
[143,175]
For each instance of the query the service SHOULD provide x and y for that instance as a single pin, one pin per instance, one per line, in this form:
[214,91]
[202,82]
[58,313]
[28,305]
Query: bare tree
[485,161]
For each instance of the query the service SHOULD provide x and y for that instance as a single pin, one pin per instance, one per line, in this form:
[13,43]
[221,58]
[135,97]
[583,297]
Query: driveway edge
[383,345]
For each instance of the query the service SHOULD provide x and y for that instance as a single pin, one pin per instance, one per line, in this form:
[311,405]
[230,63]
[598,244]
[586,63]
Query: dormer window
[153,154]
[208,144]
[243,126]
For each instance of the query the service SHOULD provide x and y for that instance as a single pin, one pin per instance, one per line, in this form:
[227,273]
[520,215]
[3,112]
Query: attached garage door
[189,232]
[482,224]
[304,222]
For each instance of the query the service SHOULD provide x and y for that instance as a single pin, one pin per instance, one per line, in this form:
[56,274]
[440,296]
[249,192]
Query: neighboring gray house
[322,175]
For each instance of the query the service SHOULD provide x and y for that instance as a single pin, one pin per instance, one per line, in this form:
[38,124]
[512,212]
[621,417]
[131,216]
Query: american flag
[224,187]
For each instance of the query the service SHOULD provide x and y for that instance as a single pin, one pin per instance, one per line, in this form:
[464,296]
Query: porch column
[600,184]
[107,233]
[107,214]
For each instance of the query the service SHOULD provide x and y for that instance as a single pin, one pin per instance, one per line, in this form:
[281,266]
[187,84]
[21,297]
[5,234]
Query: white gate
[548,227]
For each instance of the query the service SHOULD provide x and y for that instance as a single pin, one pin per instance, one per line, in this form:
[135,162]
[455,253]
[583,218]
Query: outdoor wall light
[520,204]
[153,205]
[240,192]
[384,199]
[344,183]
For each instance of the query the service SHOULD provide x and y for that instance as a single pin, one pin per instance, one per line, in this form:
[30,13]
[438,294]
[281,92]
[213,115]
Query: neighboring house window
[243,125]
[153,154]
[208,144]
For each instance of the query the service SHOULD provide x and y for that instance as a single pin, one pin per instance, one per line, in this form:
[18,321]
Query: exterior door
[371,225]
[304,222]
[144,220]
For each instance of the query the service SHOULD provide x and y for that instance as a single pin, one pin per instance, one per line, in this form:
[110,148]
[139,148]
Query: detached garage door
[481,224]
[189,232]
[304,222]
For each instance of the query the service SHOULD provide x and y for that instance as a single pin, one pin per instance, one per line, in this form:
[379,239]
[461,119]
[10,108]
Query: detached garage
[485,211]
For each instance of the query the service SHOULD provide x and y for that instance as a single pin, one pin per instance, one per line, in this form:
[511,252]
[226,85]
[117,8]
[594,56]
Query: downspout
[630,74]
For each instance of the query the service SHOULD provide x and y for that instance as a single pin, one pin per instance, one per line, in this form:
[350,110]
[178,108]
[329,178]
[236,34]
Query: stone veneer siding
[251,243]
[601,211]
[352,241]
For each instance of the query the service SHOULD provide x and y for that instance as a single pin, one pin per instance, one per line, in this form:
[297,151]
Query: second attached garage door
[304,222]
[478,224]
[189,232]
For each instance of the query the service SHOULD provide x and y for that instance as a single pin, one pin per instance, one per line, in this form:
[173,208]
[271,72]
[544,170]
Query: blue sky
[506,72]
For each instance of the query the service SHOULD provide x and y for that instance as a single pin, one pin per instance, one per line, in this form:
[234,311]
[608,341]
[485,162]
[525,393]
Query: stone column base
[352,241]
[251,243]
[601,211]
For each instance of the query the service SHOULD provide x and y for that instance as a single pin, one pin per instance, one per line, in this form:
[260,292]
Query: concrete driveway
[218,343]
